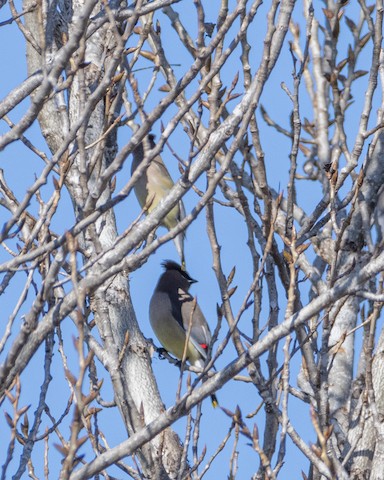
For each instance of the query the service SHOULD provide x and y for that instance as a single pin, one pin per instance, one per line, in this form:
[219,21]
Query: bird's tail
[200,363]
[179,239]
[179,244]
[215,402]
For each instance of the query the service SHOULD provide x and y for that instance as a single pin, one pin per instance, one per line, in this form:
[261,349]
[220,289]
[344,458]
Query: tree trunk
[135,388]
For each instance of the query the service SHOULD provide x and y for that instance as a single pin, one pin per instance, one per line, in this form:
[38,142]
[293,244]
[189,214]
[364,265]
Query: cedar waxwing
[173,312]
[153,185]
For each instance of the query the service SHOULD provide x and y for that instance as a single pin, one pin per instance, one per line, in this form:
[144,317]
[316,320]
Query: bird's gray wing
[159,175]
[200,332]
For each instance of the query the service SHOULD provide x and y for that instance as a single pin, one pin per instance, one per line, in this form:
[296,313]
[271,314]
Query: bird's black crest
[139,149]
[151,138]
[171,265]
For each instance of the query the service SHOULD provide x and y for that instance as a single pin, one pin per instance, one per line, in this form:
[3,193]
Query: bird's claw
[162,353]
